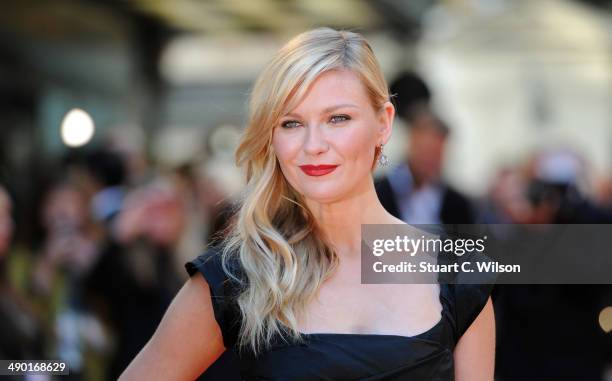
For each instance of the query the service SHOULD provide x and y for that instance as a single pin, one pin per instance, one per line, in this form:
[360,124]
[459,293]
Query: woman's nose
[315,140]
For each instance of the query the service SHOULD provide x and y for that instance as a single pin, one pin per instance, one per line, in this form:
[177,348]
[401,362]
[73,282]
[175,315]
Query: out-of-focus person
[604,192]
[107,177]
[506,201]
[555,190]
[67,244]
[68,253]
[134,280]
[414,190]
[550,331]
[6,222]
[21,335]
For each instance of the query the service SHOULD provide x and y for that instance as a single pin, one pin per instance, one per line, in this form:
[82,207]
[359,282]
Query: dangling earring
[383,160]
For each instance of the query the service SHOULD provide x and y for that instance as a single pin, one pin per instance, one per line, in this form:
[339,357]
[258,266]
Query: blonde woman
[283,290]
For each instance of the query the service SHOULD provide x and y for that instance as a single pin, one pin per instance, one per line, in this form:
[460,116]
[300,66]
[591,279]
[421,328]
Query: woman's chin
[323,196]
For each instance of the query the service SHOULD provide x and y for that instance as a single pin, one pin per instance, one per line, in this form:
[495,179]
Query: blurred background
[118,121]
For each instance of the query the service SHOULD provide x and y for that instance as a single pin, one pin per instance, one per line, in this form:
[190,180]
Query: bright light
[77,128]
[605,319]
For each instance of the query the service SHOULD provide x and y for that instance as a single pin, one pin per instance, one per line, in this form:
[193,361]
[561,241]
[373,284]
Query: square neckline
[387,335]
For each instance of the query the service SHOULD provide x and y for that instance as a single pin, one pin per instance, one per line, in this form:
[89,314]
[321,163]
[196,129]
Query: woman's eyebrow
[325,110]
[343,105]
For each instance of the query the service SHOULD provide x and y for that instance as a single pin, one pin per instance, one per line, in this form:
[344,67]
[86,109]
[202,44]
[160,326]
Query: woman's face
[326,145]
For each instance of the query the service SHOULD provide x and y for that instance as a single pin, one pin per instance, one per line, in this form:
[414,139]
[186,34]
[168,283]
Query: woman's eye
[290,124]
[339,118]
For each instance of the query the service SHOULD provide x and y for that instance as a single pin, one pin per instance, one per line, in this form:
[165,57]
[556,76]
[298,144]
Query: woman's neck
[341,221]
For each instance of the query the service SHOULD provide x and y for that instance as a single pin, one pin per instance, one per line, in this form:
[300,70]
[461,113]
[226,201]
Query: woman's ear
[386,116]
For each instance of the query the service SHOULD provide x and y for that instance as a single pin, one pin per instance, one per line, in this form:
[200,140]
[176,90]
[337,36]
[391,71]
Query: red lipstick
[318,170]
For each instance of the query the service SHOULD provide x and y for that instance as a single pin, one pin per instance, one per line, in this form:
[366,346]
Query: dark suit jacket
[455,209]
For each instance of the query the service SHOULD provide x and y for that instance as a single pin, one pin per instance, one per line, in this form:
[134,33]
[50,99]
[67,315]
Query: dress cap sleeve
[466,293]
[469,301]
[223,292]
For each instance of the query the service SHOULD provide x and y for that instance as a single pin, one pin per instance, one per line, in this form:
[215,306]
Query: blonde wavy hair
[283,256]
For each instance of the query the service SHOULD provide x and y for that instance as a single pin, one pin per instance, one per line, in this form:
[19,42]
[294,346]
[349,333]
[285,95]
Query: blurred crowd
[111,260]
[544,332]
[117,232]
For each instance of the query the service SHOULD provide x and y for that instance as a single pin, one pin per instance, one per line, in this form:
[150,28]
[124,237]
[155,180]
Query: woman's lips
[318,170]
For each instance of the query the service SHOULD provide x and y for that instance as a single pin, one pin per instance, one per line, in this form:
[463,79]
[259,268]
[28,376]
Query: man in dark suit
[414,191]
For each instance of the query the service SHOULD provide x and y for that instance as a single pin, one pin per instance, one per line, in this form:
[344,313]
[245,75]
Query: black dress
[341,356]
